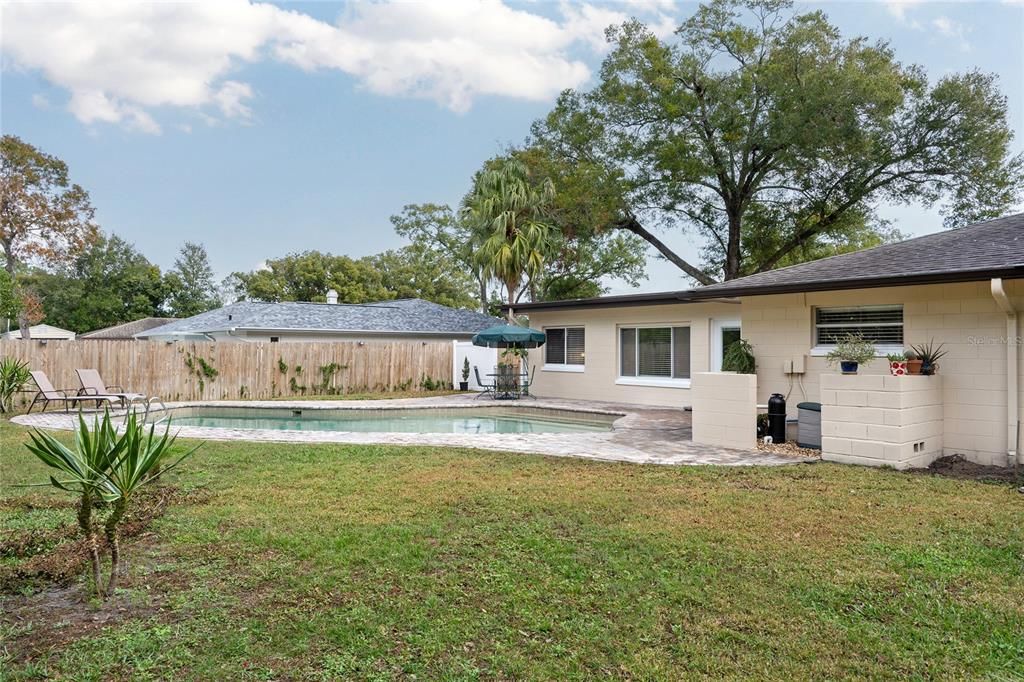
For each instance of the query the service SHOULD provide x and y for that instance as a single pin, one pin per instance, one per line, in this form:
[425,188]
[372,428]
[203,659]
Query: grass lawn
[362,562]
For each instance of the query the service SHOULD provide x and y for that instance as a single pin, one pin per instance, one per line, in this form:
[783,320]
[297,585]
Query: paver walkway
[641,435]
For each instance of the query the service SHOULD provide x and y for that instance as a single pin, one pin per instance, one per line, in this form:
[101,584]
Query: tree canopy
[774,138]
[415,271]
[108,283]
[44,218]
[190,284]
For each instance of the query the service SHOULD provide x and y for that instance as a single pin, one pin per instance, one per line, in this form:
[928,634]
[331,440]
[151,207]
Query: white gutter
[1012,394]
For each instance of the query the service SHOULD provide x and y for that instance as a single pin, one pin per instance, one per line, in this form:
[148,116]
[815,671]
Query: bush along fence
[232,371]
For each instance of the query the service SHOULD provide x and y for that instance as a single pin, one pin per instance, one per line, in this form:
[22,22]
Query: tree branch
[631,224]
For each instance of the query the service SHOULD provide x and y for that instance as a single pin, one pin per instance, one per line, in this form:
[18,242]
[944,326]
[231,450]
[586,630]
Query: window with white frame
[661,353]
[880,324]
[565,347]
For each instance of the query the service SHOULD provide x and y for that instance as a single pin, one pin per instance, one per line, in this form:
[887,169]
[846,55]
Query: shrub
[739,357]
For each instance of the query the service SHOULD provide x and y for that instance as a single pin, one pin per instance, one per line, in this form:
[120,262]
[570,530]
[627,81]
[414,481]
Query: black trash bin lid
[813,407]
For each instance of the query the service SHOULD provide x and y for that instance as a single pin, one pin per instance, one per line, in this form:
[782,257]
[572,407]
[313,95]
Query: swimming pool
[482,420]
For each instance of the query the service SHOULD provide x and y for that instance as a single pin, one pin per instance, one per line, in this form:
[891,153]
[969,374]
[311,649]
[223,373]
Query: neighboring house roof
[993,248]
[404,316]
[128,330]
[42,331]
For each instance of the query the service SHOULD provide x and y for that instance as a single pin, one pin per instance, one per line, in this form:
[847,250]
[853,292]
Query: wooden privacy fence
[230,371]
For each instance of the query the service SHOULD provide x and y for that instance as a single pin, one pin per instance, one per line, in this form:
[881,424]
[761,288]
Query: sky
[260,129]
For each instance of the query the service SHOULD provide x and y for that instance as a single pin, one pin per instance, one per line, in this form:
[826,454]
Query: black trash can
[777,418]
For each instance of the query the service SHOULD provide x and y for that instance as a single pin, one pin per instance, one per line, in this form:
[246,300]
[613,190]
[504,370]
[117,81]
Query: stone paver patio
[641,435]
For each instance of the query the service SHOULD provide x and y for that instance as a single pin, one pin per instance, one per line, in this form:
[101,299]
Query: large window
[880,324]
[654,352]
[566,346]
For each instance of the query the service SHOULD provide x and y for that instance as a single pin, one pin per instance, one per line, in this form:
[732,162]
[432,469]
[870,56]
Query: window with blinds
[655,352]
[882,325]
[564,346]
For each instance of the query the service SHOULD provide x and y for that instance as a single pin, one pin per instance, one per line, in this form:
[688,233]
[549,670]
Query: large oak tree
[44,217]
[775,138]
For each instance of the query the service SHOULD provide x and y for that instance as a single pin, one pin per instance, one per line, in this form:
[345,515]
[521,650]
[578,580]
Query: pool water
[467,421]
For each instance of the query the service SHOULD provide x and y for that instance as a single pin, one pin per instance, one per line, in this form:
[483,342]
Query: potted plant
[929,354]
[464,384]
[897,364]
[851,351]
[913,363]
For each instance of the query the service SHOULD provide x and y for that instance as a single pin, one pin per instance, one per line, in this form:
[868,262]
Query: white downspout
[1012,395]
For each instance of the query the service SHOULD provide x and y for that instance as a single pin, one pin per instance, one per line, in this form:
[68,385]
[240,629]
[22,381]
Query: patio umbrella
[509,336]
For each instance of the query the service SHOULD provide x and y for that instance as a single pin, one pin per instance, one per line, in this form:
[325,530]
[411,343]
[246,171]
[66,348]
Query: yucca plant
[13,376]
[105,468]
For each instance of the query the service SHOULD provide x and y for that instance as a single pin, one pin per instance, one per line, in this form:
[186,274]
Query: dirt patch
[47,620]
[65,555]
[955,466]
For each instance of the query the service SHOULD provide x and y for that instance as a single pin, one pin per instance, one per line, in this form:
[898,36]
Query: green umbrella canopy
[509,336]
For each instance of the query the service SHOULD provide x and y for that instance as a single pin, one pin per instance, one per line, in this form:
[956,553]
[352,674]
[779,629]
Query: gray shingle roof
[404,316]
[128,330]
[994,248]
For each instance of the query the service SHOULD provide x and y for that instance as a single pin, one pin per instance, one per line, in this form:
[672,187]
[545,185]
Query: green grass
[335,562]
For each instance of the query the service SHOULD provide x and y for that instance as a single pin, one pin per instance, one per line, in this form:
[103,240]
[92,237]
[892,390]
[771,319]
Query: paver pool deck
[641,435]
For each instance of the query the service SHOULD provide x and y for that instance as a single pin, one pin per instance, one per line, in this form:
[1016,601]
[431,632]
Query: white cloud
[898,8]
[952,29]
[120,60]
[40,101]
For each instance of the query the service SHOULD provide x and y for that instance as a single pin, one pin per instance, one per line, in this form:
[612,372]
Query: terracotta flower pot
[914,366]
[898,368]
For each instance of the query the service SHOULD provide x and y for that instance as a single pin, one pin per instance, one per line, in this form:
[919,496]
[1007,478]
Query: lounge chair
[48,394]
[92,385]
[488,388]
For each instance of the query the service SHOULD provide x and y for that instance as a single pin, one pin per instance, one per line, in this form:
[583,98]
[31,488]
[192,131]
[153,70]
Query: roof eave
[960,276]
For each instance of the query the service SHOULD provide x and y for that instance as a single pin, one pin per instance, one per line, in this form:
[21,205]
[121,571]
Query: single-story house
[962,288]
[249,321]
[127,330]
[42,332]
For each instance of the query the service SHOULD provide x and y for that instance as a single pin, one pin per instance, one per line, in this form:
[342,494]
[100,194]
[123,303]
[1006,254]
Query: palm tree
[507,211]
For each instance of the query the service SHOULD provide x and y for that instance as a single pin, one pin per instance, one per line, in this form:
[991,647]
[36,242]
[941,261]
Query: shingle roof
[994,248]
[404,316]
[128,330]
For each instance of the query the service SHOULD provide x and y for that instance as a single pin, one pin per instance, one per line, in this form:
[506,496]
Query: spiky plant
[13,376]
[105,467]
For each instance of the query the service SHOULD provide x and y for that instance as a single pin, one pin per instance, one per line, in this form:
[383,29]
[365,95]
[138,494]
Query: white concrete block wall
[724,409]
[882,420]
[963,316]
[599,376]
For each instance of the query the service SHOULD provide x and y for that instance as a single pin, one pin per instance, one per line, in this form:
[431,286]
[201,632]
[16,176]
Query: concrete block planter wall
[881,420]
[725,409]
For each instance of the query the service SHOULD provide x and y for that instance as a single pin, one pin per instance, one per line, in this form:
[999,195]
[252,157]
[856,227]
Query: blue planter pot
[848,367]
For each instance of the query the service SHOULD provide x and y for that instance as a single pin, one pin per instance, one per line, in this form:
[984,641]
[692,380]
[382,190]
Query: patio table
[507,385]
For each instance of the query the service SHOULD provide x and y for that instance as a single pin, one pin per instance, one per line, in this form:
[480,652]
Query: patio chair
[528,382]
[92,385]
[48,394]
[488,388]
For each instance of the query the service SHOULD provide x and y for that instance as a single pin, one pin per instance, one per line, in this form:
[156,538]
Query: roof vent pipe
[332,297]
[1012,396]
